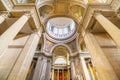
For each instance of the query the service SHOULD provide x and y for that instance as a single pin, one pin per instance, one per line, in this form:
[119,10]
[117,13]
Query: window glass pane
[72,26]
[65,30]
[60,61]
[69,28]
[52,28]
[60,31]
[55,30]
[49,27]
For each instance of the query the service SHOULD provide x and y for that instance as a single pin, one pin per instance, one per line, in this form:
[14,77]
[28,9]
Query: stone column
[73,70]
[68,74]
[48,71]
[38,69]
[63,74]
[42,76]
[3,16]
[91,70]
[11,32]
[21,67]
[101,64]
[53,73]
[87,76]
[110,28]
[58,75]
[31,70]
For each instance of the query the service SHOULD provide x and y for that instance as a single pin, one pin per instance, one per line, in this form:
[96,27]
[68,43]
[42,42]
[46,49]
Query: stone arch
[64,45]
[60,57]
[61,50]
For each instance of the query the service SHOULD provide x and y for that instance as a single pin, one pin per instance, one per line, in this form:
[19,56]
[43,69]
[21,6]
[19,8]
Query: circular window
[60,27]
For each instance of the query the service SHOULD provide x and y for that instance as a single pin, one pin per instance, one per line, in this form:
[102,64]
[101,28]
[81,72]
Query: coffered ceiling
[74,8]
[60,51]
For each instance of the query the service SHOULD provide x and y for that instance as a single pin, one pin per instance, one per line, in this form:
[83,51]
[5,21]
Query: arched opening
[60,60]
[61,63]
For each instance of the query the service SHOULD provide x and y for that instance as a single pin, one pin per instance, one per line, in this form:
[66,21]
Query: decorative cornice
[60,41]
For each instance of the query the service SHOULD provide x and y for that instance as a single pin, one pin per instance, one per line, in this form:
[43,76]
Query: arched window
[60,61]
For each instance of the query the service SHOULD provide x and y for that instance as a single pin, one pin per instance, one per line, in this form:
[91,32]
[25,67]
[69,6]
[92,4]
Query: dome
[60,27]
